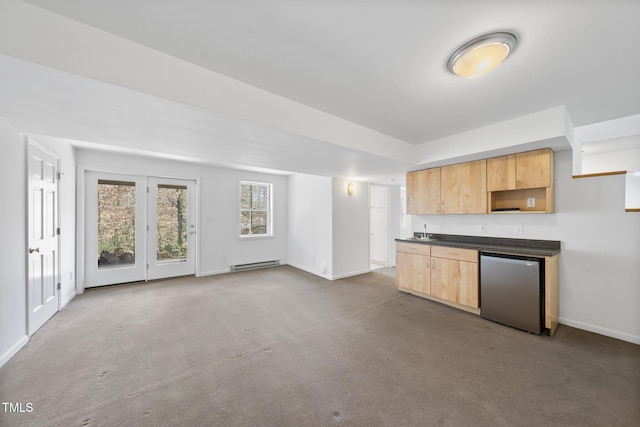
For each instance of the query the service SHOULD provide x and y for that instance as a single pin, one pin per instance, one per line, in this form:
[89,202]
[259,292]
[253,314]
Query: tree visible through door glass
[116,223]
[172,223]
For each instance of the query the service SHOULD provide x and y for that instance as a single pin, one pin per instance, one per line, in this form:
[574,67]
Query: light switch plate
[531,202]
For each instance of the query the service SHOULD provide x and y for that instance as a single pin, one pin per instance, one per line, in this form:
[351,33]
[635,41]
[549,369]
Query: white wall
[632,190]
[13,332]
[310,236]
[350,215]
[599,268]
[218,208]
[622,160]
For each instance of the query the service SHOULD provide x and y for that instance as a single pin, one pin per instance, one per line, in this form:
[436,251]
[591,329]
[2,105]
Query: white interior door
[115,228]
[171,228]
[43,251]
[378,225]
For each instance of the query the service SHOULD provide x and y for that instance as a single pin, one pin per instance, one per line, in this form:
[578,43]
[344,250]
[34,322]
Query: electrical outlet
[517,229]
[483,228]
[531,202]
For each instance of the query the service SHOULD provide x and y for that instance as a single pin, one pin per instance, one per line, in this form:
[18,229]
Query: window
[255,209]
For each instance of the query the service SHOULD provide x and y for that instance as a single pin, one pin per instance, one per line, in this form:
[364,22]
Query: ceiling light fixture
[482,54]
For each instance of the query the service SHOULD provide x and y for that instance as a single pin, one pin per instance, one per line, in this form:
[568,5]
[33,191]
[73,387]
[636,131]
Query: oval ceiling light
[482,54]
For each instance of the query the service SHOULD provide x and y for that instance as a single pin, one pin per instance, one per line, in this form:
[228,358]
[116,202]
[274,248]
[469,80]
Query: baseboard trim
[67,299]
[353,273]
[308,270]
[211,273]
[600,330]
[13,350]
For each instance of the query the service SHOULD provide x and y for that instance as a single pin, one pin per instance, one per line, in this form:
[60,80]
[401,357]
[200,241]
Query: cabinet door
[534,169]
[455,281]
[412,272]
[423,192]
[468,291]
[464,188]
[444,279]
[501,173]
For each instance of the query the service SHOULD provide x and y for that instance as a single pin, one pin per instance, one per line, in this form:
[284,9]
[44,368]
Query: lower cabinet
[412,267]
[445,274]
[455,281]
[451,276]
[413,272]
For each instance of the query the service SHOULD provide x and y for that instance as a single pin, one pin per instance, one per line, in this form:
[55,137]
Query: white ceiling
[378,64]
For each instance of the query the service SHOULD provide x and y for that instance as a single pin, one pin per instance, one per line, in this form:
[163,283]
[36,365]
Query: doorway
[43,237]
[138,228]
[378,233]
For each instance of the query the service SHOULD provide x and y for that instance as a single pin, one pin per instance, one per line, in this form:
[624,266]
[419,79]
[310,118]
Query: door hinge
[59,175]
[58,285]
[58,231]
[147,189]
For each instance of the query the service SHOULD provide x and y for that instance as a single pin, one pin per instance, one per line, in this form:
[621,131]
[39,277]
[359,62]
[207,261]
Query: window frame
[269,211]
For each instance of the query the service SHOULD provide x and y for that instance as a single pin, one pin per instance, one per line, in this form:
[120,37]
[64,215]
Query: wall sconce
[350,188]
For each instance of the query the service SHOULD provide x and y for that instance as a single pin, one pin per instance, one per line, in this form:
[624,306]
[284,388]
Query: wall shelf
[506,199]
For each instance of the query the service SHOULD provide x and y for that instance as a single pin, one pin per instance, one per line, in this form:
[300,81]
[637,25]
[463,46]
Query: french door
[172,230]
[138,228]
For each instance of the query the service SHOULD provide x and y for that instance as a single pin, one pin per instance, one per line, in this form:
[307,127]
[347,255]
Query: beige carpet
[280,347]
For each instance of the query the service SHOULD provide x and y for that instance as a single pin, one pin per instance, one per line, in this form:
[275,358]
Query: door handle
[31,250]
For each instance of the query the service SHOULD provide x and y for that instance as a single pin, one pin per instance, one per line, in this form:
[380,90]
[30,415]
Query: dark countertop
[537,248]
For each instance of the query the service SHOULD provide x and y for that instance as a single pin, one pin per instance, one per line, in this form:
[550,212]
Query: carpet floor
[281,347]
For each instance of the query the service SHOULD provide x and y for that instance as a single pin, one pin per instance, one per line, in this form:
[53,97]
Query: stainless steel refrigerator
[512,291]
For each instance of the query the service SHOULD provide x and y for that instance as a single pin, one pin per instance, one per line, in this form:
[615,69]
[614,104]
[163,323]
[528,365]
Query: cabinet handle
[31,250]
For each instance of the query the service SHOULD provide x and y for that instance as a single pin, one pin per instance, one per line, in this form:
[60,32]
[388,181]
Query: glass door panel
[171,216]
[172,211]
[116,223]
[114,228]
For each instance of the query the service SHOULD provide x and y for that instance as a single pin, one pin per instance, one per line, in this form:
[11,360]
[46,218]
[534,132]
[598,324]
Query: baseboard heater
[254,265]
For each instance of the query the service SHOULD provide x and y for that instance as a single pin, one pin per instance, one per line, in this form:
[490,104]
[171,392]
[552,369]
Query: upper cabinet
[521,182]
[463,188]
[501,173]
[532,169]
[423,192]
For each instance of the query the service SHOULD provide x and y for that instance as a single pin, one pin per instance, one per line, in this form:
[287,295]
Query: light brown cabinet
[423,192]
[501,173]
[413,267]
[521,182]
[444,274]
[531,169]
[454,275]
[534,169]
[463,188]
[451,276]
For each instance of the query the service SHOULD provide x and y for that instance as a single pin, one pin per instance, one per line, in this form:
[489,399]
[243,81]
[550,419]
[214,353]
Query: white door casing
[378,225]
[43,238]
